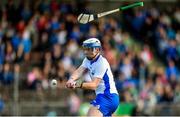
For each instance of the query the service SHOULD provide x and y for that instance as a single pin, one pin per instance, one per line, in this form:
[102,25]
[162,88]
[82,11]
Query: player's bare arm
[76,75]
[89,85]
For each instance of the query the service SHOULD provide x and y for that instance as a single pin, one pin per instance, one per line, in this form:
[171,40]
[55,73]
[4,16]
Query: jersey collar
[92,61]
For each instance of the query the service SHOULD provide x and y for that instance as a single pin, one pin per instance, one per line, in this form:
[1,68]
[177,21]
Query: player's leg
[94,111]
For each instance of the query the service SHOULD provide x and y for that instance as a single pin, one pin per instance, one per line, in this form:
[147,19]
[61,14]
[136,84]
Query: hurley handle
[131,6]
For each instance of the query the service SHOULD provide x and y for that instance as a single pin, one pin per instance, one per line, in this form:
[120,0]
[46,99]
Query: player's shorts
[106,103]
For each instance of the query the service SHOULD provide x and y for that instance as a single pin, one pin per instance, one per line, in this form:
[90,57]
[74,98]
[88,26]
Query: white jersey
[100,68]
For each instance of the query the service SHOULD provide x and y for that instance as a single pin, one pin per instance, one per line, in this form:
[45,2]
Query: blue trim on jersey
[106,82]
[95,59]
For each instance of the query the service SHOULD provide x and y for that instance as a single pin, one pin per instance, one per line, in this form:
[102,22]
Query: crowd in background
[159,28]
[41,40]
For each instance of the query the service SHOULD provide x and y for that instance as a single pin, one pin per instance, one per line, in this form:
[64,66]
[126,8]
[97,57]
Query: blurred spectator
[17,71]
[126,68]
[171,70]
[110,54]
[2,54]
[7,75]
[146,54]
[34,78]
[167,96]
[178,42]
[75,34]
[177,93]
[147,98]
[2,104]
[57,53]
[74,104]
[62,35]
[171,51]
[9,53]
[161,76]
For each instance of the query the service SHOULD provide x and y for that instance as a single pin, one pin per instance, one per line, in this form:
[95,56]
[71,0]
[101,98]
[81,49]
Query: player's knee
[93,111]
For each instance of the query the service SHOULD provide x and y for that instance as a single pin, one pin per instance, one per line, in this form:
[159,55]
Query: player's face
[90,53]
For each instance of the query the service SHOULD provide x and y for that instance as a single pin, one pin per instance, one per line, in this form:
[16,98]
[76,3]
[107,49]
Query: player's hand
[78,83]
[70,83]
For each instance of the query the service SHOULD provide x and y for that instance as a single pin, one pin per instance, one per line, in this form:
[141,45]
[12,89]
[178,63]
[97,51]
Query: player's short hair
[91,43]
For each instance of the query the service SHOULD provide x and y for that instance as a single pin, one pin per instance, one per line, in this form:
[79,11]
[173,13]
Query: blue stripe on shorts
[106,103]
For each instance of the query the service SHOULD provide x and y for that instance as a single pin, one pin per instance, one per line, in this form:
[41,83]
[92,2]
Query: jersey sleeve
[100,70]
[85,63]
